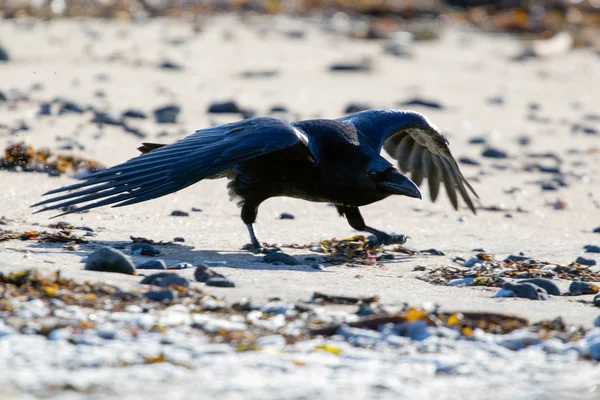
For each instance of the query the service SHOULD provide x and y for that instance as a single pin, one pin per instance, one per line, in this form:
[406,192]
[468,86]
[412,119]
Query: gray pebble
[492,152]
[204,273]
[166,64]
[597,230]
[104,118]
[4,54]
[179,213]
[478,140]
[585,261]
[526,290]
[280,257]
[167,114]
[318,267]
[468,161]
[419,268]
[579,287]
[153,264]
[132,113]
[546,284]
[219,281]
[591,248]
[60,334]
[597,301]
[160,295]
[109,260]
[286,216]
[516,258]
[179,239]
[144,249]
[165,279]
[433,252]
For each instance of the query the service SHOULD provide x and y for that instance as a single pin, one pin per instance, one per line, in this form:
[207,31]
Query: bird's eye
[373,173]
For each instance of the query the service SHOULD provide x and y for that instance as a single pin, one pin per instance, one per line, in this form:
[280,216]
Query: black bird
[334,161]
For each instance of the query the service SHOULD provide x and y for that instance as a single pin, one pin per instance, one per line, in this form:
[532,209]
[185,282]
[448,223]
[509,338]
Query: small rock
[4,54]
[286,216]
[144,249]
[468,161]
[104,118]
[278,109]
[182,265]
[496,100]
[597,304]
[478,140]
[179,239]
[166,64]
[179,213]
[524,140]
[461,282]
[516,258]
[597,230]
[591,248]
[165,279]
[218,281]
[359,66]
[70,107]
[275,307]
[269,73]
[109,260]
[585,261]
[356,107]
[224,107]
[280,257]
[433,252]
[167,114]
[160,295]
[204,273]
[194,209]
[419,268]
[135,131]
[153,264]
[526,290]
[422,103]
[492,152]
[579,287]
[60,334]
[548,186]
[546,284]
[132,113]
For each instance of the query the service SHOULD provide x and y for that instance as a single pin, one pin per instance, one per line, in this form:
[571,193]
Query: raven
[334,161]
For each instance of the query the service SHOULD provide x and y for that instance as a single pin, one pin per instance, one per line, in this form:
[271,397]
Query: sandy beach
[542,112]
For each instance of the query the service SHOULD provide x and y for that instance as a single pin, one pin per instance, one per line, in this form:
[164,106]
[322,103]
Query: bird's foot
[257,248]
[384,239]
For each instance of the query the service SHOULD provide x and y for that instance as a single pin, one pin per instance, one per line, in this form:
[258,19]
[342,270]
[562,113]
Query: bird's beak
[396,183]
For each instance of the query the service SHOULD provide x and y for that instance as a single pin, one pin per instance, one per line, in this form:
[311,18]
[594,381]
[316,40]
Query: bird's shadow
[175,253]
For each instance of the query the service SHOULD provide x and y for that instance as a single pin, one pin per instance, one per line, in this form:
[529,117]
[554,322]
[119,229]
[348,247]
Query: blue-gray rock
[224,107]
[433,252]
[153,264]
[179,213]
[591,248]
[178,239]
[492,152]
[165,279]
[167,114]
[170,65]
[422,103]
[579,287]
[134,131]
[109,260]
[526,290]
[203,273]
[4,54]
[516,258]
[597,230]
[219,281]
[597,301]
[278,109]
[286,216]
[160,295]
[546,284]
[104,118]
[585,261]
[280,257]
[133,113]
[478,140]
[468,161]
[45,109]
[70,107]
[144,249]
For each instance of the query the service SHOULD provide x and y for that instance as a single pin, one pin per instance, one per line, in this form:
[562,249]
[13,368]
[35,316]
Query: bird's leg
[356,221]
[249,212]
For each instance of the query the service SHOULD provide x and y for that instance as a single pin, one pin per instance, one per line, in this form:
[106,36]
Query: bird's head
[386,178]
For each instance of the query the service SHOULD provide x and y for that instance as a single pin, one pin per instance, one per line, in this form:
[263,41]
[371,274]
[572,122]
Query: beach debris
[62,236]
[178,239]
[168,64]
[203,272]
[590,262]
[324,299]
[362,65]
[134,113]
[144,249]
[167,114]
[153,264]
[493,152]
[140,239]
[179,213]
[578,287]
[286,216]
[596,230]
[160,295]
[4,57]
[219,281]
[468,161]
[165,279]
[545,284]
[418,102]
[104,118]
[108,259]
[266,73]
[181,265]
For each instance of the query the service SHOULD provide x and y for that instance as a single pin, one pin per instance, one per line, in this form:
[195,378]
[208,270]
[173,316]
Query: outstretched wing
[419,147]
[173,167]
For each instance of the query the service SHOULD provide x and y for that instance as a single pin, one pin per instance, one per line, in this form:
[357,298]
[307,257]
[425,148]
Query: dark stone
[218,281]
[546,284]
[3,97]
[166,64]
[179,239]
[585,261]
[496,100]
[597,230]
[194,209]
[492,152]
[286,216]
[179,213]
[515,258]
[280,257]
[591,248]
[596,300]
[433,252]
[224,107]
[422,103]
[478,140]
[101,117]
[271,73]
[361,66]
[136,132]
[132,113]
[153,264]
[526,290]
[45,109]
[356,107]
[109,260]
[165,279]
[524,140]
[468,161]
[167,114]
[144,249]
[318,267]
[203,273]
[278,108]
[579,287]
[70,107]
[419,268]
[4,54]
[160,295]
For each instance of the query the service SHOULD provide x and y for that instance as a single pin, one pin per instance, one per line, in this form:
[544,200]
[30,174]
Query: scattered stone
[526,290]
[132,113]
[218,281]
[109,260]
[167,114]
[165,279]
[433,252]
[135,131]
[3,97]
[45,109]
[194,209]
[280,257]
[160,295]
[182,265]
[179,239]
[153,264]
[546,284]
[461,282]
[585,261]
[104,118]
[419,268]
[524,140]
[422,103]
[70,107]
[597,230]
[363,65]
[468,161]
[286,216]
[579,287]
[270,73]
[278,109]
[548,186]
[596,302]
[356,107]
[496,100]
[203,273]
[166,64]
[4,54]
[478,140]
[224,107]
[591,248]
[516,258]
[179,213]
[144,249]
[492,152]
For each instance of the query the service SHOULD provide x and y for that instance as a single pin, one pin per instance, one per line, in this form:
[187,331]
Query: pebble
[478,140]
[468,161]
[219,281]
[591,248]
[182,265]
[166,64]
[60,334]
[167,114]
[356,107]
[461,282]
[135,131]
[144,249]
[524,140]
[422,103]
[70,107]
[268,73]
[160,295]
[546,284]
[179,213]
[3,97]
[526,290]
[280,257]
[358,66]
[433,252]
[104,118]
[4,54]
[286,216]
[275,307]
[153,264]
[597,230]
[585,261]
[579,287]
[419,268]
[516,258]
[495,100]
[204,273]
[109,260]
[492,152]
[472,261]
[278,109]
[133,113]
[224,107]
[178,239]
[165,279]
